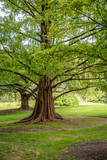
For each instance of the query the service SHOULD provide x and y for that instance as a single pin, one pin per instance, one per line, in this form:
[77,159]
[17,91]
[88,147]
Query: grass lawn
[45,142]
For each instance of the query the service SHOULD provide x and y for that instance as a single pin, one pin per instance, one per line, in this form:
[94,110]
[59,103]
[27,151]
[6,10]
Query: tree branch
[85,79]
[81,34]
[89,18]
[21,8]
[71,59]
[8,52]
[17,73]
[83,73]
[9,85]
[94,65]
[72,90]
[66,80]
[71,68]
[77,65]
[33,7]
[29,36]
[30,68]
[29,8]
[85,37]
[26,90]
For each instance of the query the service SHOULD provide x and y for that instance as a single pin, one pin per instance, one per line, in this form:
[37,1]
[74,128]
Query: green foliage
[95,95]
[67,100]
[62,39]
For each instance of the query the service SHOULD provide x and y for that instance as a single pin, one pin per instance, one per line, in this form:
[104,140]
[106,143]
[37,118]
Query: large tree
[49,43]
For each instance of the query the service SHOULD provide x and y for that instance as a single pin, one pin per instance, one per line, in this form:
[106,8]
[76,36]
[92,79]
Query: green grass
[51,143]
[8,106]
[14,115]
[84,110]
[14,105]
[45,142]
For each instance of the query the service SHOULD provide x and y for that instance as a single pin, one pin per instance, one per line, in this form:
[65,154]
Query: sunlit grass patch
[84,110]
[44,142]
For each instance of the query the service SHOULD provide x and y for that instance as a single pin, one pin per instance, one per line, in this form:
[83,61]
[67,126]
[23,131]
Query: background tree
[50,43]
[11,83]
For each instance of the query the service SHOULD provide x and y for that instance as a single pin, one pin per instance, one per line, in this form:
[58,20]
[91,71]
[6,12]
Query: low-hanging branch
[8,52]
[66,80]
[33,91]
[94,65]
[89,66]
[30,93]
[79,73]
[20,87]
[85,79]
[16,87]
[60,91]
[17,73]
[92,55]
[80,64]
[72,90]
[102,58]
[70,69]
[86,54]
[56,88]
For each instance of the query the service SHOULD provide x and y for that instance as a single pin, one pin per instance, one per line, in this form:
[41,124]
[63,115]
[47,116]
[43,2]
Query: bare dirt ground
[86,150]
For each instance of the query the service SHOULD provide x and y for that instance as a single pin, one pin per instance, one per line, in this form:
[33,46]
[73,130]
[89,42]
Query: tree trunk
[24,101]
[44,110]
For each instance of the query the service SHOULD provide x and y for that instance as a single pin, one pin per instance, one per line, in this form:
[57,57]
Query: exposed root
[44,110]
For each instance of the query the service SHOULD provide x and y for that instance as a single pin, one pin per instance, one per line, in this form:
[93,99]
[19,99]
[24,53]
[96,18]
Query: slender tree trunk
[44,110]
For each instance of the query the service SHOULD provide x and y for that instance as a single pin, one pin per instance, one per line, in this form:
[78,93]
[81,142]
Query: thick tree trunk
[44,110]
[24,100]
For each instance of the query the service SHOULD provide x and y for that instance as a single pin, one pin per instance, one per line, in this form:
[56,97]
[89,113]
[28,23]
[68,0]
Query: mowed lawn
[45,142]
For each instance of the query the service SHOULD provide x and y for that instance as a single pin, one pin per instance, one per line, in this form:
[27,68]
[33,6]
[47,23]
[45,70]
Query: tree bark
[44,110]
[24,100]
